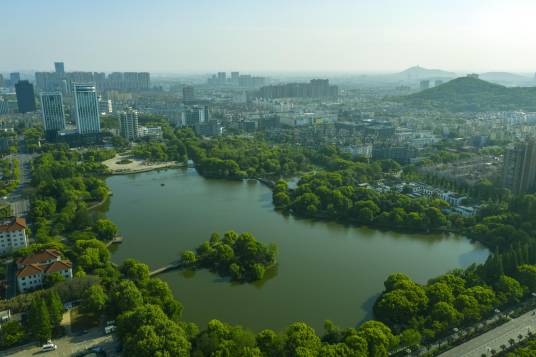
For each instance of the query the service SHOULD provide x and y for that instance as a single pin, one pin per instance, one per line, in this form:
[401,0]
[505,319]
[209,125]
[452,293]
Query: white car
[49,347]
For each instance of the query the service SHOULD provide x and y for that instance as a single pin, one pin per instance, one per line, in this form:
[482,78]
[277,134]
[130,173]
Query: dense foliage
[240,257]
[336,196]
[66,182]
[237,157]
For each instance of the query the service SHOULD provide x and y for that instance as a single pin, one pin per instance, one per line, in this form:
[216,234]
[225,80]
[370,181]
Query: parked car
[49,346]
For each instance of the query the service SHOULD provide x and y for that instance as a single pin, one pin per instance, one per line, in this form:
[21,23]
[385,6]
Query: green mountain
[469,94]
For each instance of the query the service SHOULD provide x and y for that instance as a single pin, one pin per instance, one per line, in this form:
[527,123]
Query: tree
[358,344]
[439,292]
[410,337]
[526,274]
[188,258]
[300,338]
[52,279]
[270,343]
[379,337]
[11,334]
[55,307]
[220,339]
[146,331]
[157,292]
[94,300]
[126,296]
[509,290]
[135,271]
[105,229]
[39,321]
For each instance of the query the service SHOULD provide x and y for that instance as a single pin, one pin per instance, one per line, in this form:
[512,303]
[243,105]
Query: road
[20,205]
[70,344]
[492,340]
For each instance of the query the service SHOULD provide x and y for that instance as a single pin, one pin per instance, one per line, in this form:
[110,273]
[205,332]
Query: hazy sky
[269,35]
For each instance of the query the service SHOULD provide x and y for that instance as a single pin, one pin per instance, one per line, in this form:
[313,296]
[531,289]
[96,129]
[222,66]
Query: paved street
[69,345]
[492,340]
[20,205]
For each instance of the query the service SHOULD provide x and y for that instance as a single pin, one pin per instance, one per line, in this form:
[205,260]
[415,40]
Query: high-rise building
[25,96]
[235,76]
[519,167]
[316,88]
[14,77]
[52,111]
[128,124]
[188,94]
[60,69]
[1,80]
[425,84]
[222,77]
[195,115]
[86,108]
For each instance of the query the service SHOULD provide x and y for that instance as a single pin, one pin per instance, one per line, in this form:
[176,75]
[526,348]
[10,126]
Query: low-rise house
[33,269]
[12,234]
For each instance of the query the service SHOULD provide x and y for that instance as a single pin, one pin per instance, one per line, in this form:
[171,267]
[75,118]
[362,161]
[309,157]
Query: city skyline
[339,36]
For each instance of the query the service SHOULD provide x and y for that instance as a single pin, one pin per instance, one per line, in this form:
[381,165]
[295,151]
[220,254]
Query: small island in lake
[240,257]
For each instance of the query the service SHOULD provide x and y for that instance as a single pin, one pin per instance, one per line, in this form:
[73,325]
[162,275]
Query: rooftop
[12,224]
[40,257]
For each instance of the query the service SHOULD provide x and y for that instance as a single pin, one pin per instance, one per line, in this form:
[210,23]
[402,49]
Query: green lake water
[326,270]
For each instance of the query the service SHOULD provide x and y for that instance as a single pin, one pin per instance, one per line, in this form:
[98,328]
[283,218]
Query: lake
[326,270]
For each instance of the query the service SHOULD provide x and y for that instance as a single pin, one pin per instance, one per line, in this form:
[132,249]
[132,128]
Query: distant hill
[468,94]
[417,72]
[504,78]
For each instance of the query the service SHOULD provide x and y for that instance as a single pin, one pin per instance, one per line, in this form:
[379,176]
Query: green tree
[300,338]
[526,274]
[11,334]
[39,323]
[94,300]
[105,229]
[509,290]
[135,271]
[126,296]
[270,343]
[146,331]
[379,337]
[188,258]
[52,279]
[54,307]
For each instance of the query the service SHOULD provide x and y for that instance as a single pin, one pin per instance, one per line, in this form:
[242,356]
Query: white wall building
[33,269]
[128,124]
[12,235]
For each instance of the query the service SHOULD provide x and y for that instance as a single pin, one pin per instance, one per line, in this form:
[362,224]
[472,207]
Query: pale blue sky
[269,35]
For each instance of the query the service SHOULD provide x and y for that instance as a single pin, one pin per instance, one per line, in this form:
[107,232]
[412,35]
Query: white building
[33,269]
[52,111]
[128,124]
[154,132]
[105,106]
[359,150]
[86,108]
[12,235]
